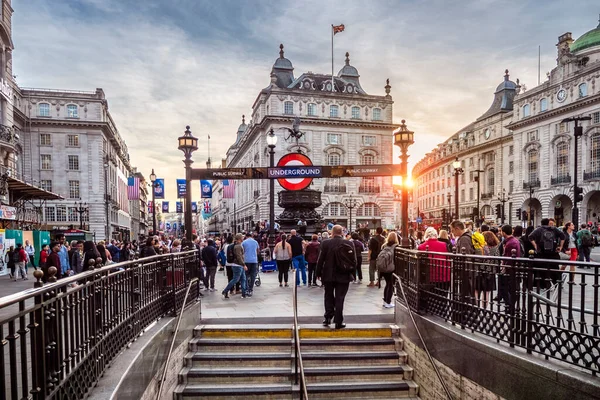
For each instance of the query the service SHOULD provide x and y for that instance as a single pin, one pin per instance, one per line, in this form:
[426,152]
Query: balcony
[532,184]
[560,179]
[369,189]
[588,176]
[8,135]
[486,196]
[341,188]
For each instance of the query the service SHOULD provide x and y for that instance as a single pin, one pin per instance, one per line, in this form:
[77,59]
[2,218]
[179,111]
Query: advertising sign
[159,189]
[181,188]
[7,212]
[165,206]
[178,207]
[294,159]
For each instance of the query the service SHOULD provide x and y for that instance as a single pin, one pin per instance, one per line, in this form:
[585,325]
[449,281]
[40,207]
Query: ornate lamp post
[188,144]
[457,171]
[449,197]
[350,204]
[153,180]
[81,208]
[403,138]
[502,198]
[577,191]
[271,143]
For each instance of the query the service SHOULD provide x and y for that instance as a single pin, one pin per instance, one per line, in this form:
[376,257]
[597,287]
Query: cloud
[167,64]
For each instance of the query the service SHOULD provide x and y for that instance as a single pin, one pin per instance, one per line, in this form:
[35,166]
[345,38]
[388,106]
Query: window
[491,180]
[369,210]
[334,138]
[73,163]
[288,107]
[368,159]
[544,104]
[355,112]
[563,127]
[61,213]
[511,150]
[312,109]
[44,110]
[369,140]
[583,90]
[533,166]
[333,159]
[73,140]
[462,194]
[46,161]
[470,193]
[335,210]
[377,114]
[596,118]
[595,153]
[471,162]
[562,160]
[50,214]
[511,167]
[72,214]
[532,136]
[74,190]
[368,185]
[511,186]
[72,111]
[333,111]
[46,184]
[470,176]
[45,139]
[526,110]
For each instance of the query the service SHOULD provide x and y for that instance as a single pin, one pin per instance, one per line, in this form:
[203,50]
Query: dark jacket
[209,256]
[312,252]
[147,251]
[53,261]
[327,268]
[465,241]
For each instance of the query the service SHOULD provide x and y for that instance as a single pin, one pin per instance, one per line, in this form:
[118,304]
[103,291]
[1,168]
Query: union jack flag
[338,28]
[207,207]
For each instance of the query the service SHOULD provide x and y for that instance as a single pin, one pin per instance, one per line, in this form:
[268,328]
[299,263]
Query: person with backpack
[464,240]
[548,242]
[585,241]
[228,268]
[235,258]
[335,268]
[386,267]
[359,247]
[375,244]
[209,257]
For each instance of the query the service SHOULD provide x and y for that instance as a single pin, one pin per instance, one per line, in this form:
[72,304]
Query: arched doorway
[561,209]
[593,208]
[533,211]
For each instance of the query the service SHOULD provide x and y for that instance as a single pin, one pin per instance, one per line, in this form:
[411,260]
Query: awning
[25,191]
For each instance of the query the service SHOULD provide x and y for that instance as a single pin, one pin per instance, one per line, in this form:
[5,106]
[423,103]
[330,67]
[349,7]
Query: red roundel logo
[294,159]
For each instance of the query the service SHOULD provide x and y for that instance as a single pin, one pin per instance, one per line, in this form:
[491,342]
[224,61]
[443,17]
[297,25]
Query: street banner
[165,206]
[206,209]
[181,188]
[150,208]
[168,226]
[206,189]
[159,189]
[179,207]
[194,207]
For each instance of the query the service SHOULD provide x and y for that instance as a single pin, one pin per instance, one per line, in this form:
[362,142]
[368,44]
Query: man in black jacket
[209,257]
[335,280]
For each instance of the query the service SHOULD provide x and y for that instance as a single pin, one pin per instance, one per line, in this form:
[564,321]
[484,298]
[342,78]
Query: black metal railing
[525,302]
[560,179]
[341,188]
[369,189]
[299,377]
[532,184]
[60,336]
[588,176]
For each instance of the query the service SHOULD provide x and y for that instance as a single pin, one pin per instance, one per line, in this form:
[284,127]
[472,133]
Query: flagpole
[332,85]
[208,162]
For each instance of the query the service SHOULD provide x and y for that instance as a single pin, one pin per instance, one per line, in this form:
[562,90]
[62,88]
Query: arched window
[377,114]
[335,210]
[533,173]
[562,160]
[583,90]
[368,159]
[544,104]
[288,107]
[44,110]
[595,154]
[526,110]
[333,111]
[491,180]
[312,109]
[356,112]
[72,111]
[368,210]
[333,159]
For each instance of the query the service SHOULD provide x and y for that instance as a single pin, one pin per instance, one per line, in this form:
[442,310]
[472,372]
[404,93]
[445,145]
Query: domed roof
[506,84]
[243,126]
[587,40]
[282,62]
[348,70]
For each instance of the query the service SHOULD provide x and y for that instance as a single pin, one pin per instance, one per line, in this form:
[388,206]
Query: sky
[165,64]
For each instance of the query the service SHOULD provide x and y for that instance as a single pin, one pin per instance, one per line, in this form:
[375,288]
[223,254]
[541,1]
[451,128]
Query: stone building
[341,126]
[521,149]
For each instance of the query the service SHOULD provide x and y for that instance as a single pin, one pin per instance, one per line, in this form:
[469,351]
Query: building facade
[520,153]
[341,126]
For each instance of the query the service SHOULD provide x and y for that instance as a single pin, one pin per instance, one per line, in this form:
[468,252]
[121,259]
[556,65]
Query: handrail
[298,364]
[164,374]
[435,368]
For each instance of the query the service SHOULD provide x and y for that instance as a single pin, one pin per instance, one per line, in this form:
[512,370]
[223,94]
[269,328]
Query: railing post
[465,287]
[49,339]
[173,284]
[422,281]
[530,284]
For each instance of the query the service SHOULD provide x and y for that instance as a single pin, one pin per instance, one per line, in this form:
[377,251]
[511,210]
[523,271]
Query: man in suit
[334,280]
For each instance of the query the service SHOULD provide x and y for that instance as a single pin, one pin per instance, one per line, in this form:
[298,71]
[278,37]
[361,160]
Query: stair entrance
[365,361]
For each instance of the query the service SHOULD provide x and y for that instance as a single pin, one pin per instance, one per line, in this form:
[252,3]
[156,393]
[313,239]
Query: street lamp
[81,208]
[457,171]
[271,143]
[503,198]
[529,220]
[188,144]
[403,138]
[478,180]
[153,180]
[577,191]
[350,204]
[449,197]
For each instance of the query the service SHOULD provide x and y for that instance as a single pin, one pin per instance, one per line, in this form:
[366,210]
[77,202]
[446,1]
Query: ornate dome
[503,97]
[282,70]
[587,40]
[241,129]
[506,84]
[348,71]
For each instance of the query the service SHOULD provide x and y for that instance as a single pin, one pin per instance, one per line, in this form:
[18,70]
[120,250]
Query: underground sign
[292,160]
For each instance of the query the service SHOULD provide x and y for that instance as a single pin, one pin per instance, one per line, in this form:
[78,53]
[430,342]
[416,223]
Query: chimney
[563,46]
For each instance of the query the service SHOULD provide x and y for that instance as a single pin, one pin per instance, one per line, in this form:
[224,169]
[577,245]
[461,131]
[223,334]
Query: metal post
[153,210]
[578,131]
[404,206]
[271,199]
[106,199]
[188,199]
[530,200]
[456,193]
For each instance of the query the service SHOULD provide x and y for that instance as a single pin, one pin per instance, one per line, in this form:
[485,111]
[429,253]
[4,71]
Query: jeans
[209,278]
[584,254]
[312,273]
[239,275]
[300,265]
[21,270]
[388,292]
[229,271]
[251,274]
[358,273]
[372,270]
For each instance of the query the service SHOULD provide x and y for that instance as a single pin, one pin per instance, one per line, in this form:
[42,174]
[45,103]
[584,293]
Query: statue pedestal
[297,205]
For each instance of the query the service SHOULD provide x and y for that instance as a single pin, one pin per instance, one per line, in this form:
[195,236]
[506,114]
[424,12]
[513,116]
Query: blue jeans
[239,275]
[300,264]
[251,274]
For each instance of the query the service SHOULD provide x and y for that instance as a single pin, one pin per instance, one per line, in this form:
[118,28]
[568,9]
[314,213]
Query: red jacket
[312,252]
[439,265]
[23,257]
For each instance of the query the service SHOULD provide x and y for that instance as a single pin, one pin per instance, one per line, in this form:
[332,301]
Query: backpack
[586,238]
[16,256]
[345,254]
[230,253]
[548,244]
[385,260]
[478,240]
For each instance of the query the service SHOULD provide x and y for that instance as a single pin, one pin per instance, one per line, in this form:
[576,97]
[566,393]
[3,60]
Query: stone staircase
[256,362]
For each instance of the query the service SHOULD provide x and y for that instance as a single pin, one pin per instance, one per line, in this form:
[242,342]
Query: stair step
[256,359]
[379,389]
[352,357]
[235,375]
[346,344]
[339,373]
[233,391]
[244,331]
[212,345]
[351,331]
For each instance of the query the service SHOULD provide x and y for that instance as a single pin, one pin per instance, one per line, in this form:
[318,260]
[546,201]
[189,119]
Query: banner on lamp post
[159,189]
[206,189]
[181,188]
